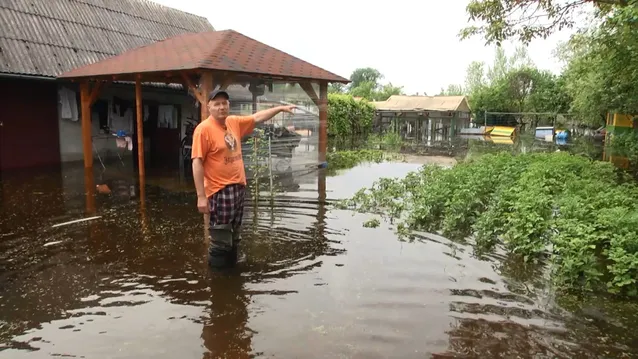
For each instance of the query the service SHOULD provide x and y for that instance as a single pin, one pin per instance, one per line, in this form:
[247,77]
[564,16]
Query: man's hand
[289,109]
[202,204]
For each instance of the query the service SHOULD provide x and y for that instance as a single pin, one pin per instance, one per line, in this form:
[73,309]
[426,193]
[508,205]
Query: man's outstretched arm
[265,115]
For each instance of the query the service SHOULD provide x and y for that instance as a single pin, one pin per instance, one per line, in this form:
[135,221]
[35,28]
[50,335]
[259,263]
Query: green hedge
[347,116]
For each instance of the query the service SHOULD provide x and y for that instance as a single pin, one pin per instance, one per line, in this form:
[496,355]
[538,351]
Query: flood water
[314,283]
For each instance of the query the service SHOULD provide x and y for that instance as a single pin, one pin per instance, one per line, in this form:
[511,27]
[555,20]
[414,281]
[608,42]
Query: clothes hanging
[121,142]
[119,106]
[68,104]
[165,116]
[121,122]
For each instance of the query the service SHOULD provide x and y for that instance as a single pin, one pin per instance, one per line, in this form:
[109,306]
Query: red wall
[29,113]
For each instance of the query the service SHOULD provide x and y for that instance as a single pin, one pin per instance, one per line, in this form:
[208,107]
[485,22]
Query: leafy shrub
[580,215]
[625,144]
[347,116]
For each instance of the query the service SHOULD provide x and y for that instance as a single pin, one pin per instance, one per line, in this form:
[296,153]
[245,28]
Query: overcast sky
[414,44]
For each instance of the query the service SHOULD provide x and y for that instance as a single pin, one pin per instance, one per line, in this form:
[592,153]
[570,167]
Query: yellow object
[502,140]
[620,120]
[502,131]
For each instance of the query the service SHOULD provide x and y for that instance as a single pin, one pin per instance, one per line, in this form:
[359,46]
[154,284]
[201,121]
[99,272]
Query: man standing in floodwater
[219,174]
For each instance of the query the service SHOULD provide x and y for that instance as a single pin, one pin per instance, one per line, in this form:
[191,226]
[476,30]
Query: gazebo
[200,62]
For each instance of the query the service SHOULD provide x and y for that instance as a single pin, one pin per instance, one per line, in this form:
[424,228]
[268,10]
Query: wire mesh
[285,145]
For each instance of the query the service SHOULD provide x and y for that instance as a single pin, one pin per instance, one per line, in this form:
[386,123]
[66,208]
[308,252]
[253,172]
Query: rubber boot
[220,253]
[234,255]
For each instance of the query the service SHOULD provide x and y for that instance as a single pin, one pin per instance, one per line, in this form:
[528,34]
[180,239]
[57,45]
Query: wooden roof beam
[310,91]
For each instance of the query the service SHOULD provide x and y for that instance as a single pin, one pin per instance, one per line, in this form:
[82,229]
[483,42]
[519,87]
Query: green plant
[347,159]
[579,215]
[348,116]
[372,223]
[391,141]
[258,162]
[625,144]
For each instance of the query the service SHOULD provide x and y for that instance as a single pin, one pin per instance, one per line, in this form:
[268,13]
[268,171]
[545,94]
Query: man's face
[218,108]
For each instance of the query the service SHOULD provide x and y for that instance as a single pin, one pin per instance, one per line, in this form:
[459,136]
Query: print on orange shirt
[220,151]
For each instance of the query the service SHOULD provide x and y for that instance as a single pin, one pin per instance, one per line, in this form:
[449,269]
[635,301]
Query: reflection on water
[314,283]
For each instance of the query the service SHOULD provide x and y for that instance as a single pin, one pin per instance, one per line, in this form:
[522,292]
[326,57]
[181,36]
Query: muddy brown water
[314,283]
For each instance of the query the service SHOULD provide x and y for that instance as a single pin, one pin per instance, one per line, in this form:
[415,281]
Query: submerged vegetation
[347,159]
[579,215]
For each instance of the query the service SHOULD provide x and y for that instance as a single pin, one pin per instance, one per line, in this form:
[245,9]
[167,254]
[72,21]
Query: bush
[347,116]
[580,215]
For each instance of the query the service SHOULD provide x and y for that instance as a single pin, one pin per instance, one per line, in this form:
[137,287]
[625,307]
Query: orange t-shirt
[220,151]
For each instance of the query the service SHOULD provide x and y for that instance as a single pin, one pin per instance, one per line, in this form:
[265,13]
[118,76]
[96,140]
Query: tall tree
[452,90]
[365,83]
[363,75]
[475,77]
[336,88]
[500,67]
[602,70]
[525,20]
[386,91]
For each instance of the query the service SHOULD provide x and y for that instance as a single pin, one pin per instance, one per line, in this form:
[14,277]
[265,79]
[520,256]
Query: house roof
[49,37]
[225,50]
[423,103]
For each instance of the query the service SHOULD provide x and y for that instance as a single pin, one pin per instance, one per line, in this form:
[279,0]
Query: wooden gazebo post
[88,96]
[139,112]
[206,86]
[323,121]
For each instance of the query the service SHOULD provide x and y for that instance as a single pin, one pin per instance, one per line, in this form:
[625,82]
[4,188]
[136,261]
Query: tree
[452,90]
[365,83]
[501,66]
[336,88]
[525,20]
[475,77]
[602,72]
[365,89]
[386,91]
[365,75]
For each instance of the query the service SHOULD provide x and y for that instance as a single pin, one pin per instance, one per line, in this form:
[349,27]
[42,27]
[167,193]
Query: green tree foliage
[336,88]
[513,84]
[349,116]
[524,20]
[365,75]
[452,90]
[366,84]
[601,69]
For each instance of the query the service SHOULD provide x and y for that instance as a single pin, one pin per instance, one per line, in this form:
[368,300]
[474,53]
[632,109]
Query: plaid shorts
[227,205]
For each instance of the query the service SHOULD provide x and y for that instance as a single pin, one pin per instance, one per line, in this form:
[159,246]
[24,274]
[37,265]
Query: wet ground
[314,282]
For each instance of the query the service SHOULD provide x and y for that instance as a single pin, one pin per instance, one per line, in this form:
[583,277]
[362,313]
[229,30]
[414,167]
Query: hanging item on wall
[118,119]
[68,104]
[166,116]
[120,106]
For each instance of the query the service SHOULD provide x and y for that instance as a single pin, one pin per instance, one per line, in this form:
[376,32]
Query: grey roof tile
[48,37]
